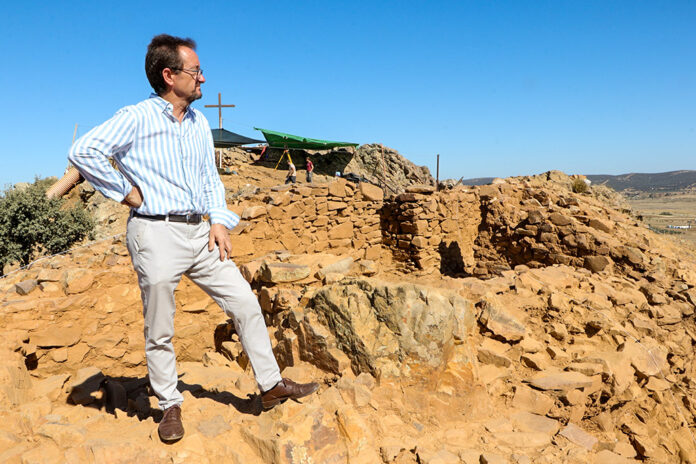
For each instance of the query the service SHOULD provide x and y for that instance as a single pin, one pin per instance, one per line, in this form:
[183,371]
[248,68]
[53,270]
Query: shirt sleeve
[214,190]
[90,154]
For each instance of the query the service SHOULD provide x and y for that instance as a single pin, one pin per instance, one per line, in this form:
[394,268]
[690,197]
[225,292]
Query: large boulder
[385,328]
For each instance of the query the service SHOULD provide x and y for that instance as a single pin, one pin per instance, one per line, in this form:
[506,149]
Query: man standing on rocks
[166,173]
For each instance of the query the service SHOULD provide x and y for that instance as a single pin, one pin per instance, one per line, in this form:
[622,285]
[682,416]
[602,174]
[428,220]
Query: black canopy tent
[225,139]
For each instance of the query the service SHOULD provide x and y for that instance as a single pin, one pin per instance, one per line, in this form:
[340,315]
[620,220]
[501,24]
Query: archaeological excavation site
[523,321]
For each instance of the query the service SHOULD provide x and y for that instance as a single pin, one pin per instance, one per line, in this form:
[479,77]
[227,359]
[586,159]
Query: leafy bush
[31,224]
[580,186]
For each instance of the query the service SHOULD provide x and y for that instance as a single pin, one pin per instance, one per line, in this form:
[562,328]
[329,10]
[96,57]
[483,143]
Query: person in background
[292,174]
[166,174]
[310,170]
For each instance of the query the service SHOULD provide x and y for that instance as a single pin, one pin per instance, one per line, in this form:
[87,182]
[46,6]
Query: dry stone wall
[337,218]
[422,229]
[432,231]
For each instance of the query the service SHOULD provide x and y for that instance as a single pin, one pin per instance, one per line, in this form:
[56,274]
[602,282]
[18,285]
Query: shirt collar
[168,108]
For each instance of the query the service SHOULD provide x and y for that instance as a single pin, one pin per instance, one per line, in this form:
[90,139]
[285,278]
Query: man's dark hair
[163,52]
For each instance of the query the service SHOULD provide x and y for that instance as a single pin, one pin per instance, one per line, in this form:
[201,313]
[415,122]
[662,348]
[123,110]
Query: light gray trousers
[163,251]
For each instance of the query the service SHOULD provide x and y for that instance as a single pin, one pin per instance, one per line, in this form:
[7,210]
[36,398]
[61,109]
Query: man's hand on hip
[220,236]
[134,199]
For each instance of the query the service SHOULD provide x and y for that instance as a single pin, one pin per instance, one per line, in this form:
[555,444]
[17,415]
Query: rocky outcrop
[389,329]
[387,168]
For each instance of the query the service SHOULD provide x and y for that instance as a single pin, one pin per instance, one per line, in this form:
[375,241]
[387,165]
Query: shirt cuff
[223,216]
[126,188]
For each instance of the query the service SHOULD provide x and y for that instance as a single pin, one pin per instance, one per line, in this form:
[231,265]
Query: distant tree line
[32,225]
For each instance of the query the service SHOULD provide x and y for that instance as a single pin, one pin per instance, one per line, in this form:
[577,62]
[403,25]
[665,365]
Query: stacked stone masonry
[337,218]
[432,230]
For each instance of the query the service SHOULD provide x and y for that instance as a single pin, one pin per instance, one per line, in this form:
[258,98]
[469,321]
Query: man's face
[187,82]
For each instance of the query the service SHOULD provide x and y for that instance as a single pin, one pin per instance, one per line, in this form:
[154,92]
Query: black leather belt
[187,218]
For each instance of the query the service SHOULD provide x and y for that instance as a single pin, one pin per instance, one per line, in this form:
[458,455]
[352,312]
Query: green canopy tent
[289,141]
[296,142]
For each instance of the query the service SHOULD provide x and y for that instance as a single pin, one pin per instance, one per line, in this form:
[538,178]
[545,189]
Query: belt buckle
[187,218]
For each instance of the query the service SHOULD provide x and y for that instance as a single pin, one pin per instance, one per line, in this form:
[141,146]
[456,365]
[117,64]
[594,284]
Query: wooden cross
[219,106]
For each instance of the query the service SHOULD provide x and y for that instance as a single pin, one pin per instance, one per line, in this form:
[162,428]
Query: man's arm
[90,155]
[221,219]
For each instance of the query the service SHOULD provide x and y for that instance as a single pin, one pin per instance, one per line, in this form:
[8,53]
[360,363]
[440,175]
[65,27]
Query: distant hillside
[657,182]
[478,181]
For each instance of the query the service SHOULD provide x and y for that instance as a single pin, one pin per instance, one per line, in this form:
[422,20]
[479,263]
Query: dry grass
[661,211]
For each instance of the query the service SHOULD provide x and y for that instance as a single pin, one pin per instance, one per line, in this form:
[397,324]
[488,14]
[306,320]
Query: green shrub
[580,186]
[31,224]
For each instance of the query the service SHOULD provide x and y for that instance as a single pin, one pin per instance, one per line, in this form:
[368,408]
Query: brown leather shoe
[287,389]
[170,427]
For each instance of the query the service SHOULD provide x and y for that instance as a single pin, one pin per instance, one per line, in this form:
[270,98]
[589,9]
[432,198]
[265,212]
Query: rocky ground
[568,338]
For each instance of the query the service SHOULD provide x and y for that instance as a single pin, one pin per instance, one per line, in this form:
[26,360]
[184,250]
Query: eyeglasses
[196,73]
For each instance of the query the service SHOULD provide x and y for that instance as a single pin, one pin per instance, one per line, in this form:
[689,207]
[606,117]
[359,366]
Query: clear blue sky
[498,88]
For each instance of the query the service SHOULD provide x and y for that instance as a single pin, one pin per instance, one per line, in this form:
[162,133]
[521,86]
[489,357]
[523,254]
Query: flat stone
[336,205]
[537,361]
[648,358]
[77,281]
[283,272]
[560,219]
[337,188]
[368,267]
[655,384]
[578,436]
[340,231]
[529,422]
[54,337]
[587,368]
[50,275]
[529,345]
[493,352]
[252,212]
[596,263]
[59,355]
[420,188]
[501,323]
[599,225]
[407,197]
[341,266]
[371,192]
[517,440]
[560,380]
[25,287]
[575,397]
[530,400]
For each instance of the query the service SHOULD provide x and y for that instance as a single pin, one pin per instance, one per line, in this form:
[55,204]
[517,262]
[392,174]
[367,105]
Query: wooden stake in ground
[219,106]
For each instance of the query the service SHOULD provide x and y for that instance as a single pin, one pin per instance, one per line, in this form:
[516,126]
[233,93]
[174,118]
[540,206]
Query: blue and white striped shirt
[172,163]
